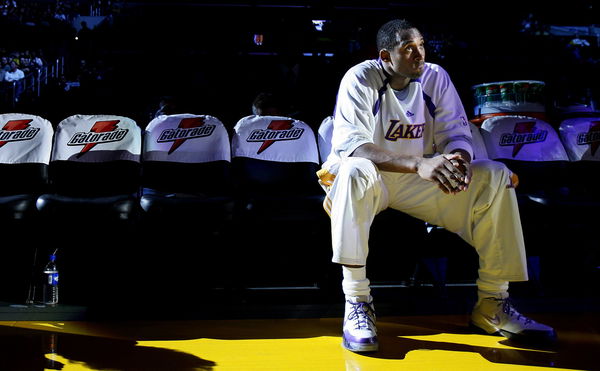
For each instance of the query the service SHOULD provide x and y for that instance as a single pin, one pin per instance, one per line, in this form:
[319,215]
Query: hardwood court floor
[408,342]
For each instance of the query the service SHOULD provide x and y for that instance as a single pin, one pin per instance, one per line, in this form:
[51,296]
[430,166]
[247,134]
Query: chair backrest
[521,138]
[581,138]
[186,153]
[325,133]
[96,155]
[274,155]
[530,148]
[25,149]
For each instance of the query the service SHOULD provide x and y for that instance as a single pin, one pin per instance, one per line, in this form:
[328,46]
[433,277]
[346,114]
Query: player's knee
[489,165]
[357,167]
[358,173]
[489,170]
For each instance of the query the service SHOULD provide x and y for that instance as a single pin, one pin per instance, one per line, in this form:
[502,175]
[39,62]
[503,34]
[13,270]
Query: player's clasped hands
[450,172]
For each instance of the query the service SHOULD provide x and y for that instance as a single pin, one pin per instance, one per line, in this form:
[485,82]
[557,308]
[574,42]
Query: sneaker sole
[531,339]
[541,339]
[480,330]
[359,347]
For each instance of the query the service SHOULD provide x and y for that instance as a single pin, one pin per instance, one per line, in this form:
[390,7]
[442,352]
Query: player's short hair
[388,34]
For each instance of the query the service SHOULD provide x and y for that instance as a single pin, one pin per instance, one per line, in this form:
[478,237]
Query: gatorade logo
[189,128]
[277,130]
[592,137]
[523,133]
[17,130]
[102,132]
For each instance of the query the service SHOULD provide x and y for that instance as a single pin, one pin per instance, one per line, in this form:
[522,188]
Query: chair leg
[534,272]
[438,266]
[31,292]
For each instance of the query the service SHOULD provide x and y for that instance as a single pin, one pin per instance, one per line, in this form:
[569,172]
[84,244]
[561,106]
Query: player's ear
[384,55]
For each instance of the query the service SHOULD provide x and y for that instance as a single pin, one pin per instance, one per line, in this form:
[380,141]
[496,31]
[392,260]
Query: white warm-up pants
[486,215]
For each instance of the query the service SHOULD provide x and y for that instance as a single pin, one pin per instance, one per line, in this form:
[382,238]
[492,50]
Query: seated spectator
[5,63]
[38,59]
[14,57]
[15,73]
[25,62]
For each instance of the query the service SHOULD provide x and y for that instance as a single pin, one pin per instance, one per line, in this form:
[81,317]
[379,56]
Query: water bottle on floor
[50,288]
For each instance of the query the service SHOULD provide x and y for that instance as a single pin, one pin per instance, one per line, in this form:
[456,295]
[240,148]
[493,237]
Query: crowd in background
[14,67]
[34,13]
[26,61]
[41,33]
[47,13]
[127,64]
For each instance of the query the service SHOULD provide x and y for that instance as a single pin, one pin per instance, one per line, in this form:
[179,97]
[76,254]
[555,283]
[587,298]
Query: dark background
[204,53]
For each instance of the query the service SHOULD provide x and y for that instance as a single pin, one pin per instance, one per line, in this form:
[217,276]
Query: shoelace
[360,313]
[508,309]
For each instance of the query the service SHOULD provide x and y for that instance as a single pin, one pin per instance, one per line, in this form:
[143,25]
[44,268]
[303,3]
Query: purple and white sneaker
[498,316]
[360,333]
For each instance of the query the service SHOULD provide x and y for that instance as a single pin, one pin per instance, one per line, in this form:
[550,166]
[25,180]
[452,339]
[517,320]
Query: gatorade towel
[274,138]
[97,138]
[521,138]
[186,138]
[581,138]
[25,138]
